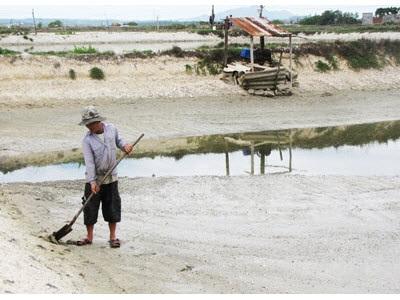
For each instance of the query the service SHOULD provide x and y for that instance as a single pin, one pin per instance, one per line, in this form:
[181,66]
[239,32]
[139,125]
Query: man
[99,151]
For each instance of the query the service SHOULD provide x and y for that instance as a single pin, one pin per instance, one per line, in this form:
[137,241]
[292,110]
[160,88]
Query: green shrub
[219,33]
[72,74]
[84,50]
[175,51]
[360,54]
[322,66]
[333,62]
[96,73]
[188,69]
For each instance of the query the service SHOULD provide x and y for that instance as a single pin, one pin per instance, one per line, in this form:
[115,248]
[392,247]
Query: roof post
[252,52]
[290,60]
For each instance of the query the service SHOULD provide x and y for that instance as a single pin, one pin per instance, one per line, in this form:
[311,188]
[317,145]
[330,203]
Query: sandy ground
[151,38]
[107,37]
[197,235]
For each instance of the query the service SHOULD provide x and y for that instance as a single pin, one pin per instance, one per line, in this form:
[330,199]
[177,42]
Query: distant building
[378,20]
[367,18]
[392,19]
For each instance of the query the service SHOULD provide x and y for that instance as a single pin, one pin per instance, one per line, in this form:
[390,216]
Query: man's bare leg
[89,238]
[90,230]
[113,229]
[114,242]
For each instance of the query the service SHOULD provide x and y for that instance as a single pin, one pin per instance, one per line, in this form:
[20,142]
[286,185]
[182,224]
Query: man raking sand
[99,151]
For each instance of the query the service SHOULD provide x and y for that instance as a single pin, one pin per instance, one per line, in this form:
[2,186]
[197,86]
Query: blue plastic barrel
[245,53]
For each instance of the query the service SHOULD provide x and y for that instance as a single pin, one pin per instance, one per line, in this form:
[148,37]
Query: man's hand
[94,187]
[128,148]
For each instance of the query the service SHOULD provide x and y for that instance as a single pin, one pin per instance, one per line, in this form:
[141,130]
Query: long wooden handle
[102,181]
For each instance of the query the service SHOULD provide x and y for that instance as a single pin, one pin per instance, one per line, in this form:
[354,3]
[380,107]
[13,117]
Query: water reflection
[366,149]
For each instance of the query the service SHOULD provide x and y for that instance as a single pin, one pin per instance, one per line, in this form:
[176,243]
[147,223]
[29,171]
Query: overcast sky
[118,9]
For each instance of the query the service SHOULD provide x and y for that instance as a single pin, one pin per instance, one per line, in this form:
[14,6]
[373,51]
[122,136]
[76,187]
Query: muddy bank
[55,128]
[323,234]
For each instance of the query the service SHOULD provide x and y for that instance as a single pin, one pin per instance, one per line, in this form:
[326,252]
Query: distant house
[367,18]
[377,20]
[391,19]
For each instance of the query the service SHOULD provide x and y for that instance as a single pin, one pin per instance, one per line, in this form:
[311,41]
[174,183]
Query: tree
[131,23]
[383,11]
[55,24]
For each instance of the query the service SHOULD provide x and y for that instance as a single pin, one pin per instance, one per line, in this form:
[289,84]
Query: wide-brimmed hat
[90,115]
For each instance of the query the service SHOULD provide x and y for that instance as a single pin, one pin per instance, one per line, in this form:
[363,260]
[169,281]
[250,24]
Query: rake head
[57,235]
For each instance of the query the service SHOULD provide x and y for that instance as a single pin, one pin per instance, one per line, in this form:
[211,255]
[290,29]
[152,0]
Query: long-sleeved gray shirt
[100,155]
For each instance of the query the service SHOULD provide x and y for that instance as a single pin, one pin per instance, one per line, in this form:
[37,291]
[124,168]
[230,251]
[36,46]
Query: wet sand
[270,234]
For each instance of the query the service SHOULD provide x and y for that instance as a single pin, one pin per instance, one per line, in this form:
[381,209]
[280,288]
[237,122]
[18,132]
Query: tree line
[331,17]
[383,11]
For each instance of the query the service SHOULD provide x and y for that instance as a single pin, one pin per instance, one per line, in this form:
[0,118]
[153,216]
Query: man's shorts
[110,204]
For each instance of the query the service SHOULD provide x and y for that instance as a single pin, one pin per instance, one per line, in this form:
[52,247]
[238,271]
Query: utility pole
[262,43]
[34,21]
[226,27]
[212,17]
[158,24]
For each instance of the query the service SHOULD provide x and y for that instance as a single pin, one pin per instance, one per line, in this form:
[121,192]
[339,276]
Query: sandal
[115,243]
[84,242]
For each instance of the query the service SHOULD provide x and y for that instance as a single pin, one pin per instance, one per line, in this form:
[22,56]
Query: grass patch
[65,32]
[84,50]
[322,66]
[312,29]
[96,73]
[8,52]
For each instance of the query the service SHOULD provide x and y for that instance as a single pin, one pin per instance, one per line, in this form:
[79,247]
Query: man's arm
[90,166]
[121,144]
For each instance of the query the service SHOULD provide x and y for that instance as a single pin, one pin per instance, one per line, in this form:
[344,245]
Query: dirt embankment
[44,81]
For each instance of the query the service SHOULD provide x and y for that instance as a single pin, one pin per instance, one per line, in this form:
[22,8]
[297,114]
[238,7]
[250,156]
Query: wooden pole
[277,72]
[262,164]
[290,151]
[252,52]
[226,27]
[290,61]
[252,158]
[279,147]
[227,163]
[34,21]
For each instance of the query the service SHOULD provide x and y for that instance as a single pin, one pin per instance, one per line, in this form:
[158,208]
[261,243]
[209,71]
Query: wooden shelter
[258,27]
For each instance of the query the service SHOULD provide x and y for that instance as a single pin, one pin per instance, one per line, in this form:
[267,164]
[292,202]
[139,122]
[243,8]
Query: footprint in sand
[52,286]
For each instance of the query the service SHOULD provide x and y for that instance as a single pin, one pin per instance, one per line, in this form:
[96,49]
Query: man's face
[95,127]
